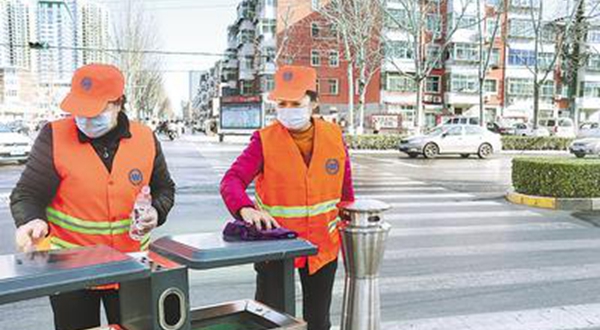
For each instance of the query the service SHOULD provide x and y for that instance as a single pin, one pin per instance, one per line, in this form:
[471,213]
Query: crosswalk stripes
[430,231]
[4,200]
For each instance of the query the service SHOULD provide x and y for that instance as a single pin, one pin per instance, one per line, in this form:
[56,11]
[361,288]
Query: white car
[585,146]
[559,127]
[523,129]
[464,140]
[589,130]
[13,146]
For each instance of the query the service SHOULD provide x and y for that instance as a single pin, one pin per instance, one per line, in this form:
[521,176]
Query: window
[314,31]
[528,58]
[490,29]
[315,58]
[465,22]
[520,87]
[521,28]
[333,87]
[433,56]
[593,36]
[406,112]
[399,83]
[593,62]
[494,58]
[268,84]
[454,131]
[432,84]
[590,89]
[473,130]
[400,50]
[525,3]
[267,26]
[395,19]
[434,25]
[465,52]
[334,58]
[460,83]
[316,4]
[490,86]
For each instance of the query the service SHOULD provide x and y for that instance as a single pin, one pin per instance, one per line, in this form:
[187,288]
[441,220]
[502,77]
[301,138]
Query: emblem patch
[86,84]
[136,177]
[332,166]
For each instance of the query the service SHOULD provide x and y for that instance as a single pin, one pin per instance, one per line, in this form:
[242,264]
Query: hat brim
[79,105]
[287,95]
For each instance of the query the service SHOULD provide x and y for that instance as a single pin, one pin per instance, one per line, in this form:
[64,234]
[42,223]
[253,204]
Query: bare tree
[135,31]
[547,32]
[487,42]
[420,23]
[575,52]
[359,24]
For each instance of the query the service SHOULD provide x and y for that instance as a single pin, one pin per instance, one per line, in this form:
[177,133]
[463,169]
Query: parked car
[523,129]
[559,127]
[14,146]
[460,120]
[589,130]
[464,140]
[498,128]
[586,146]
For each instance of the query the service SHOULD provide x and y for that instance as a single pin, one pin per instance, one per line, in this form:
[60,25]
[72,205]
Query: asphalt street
[459,256]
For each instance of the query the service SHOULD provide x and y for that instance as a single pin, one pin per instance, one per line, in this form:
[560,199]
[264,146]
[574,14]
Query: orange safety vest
[93,206]
[304,199]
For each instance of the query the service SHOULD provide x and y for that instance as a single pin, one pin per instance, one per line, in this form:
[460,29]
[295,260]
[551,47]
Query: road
[459,256]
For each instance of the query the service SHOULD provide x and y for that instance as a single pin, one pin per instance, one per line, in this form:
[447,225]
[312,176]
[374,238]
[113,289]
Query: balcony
[247,50]
[588,102]
[267,68]
[458,98]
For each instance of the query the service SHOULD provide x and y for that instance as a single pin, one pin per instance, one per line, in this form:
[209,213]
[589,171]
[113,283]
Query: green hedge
[374,142]
[392,141]
[557,177]
[535,143]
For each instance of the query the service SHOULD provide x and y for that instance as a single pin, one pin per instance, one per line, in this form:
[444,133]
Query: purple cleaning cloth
[239,230]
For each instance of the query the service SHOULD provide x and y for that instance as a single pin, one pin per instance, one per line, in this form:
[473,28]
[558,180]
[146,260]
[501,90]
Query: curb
[553,203]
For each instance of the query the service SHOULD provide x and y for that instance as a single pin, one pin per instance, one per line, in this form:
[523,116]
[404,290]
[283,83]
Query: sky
[188,26]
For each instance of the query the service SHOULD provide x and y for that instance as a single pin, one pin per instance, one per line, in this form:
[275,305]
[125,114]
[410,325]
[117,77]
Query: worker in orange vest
[301,169]
[81,182]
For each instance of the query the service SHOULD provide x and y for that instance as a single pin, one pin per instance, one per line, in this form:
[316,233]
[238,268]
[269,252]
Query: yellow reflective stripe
[333,224]
[58,244]
[88,227]
[145,243]
[298,211]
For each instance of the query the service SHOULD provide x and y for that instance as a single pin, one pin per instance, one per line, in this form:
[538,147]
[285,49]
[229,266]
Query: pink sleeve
[348,187]
[239,176]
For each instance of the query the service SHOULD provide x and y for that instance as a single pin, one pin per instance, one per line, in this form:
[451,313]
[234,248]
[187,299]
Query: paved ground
[459,256]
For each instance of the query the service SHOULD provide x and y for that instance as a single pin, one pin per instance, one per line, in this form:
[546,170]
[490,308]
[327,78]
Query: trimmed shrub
[535,143]
[557,177]
[374,141]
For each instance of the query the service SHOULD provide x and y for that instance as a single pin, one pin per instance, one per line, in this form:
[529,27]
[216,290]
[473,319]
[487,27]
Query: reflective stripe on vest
[87,227]
[59,244]
[298,211]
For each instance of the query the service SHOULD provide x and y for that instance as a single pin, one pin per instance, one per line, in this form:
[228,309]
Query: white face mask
[294,118]
[97,126]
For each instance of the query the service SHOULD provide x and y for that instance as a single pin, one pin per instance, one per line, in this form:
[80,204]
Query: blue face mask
[294,118]
[97,126]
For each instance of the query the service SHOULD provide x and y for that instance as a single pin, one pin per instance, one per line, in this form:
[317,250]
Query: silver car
[464,140]
[13,146]
[586,146]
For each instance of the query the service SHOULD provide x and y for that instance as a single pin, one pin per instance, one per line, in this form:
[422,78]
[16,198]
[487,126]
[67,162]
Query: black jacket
[39,181]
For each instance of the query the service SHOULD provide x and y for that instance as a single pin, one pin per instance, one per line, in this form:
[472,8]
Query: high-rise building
[92,32]
[14,34]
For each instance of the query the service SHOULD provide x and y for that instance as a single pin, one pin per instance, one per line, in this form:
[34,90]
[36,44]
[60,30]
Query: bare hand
[147,221]
[30,234]
[259,218]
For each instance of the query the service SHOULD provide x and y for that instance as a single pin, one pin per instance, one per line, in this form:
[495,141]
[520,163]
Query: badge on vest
[332,166]
[136,177]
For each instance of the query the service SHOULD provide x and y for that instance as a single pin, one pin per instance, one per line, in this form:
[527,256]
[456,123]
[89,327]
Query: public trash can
[364,234]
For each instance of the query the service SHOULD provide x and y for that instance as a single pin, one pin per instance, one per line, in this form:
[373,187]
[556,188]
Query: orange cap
[92,87]
[292,83]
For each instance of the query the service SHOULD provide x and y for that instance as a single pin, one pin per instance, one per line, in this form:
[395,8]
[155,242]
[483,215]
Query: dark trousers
[81,309]
[316,291]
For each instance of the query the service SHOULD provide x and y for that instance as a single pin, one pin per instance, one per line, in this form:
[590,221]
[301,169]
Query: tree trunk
[352,127]
[575,62]
[420,111]
[536,102]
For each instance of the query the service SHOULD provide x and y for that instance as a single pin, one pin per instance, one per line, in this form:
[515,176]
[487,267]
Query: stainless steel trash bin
[364,234]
